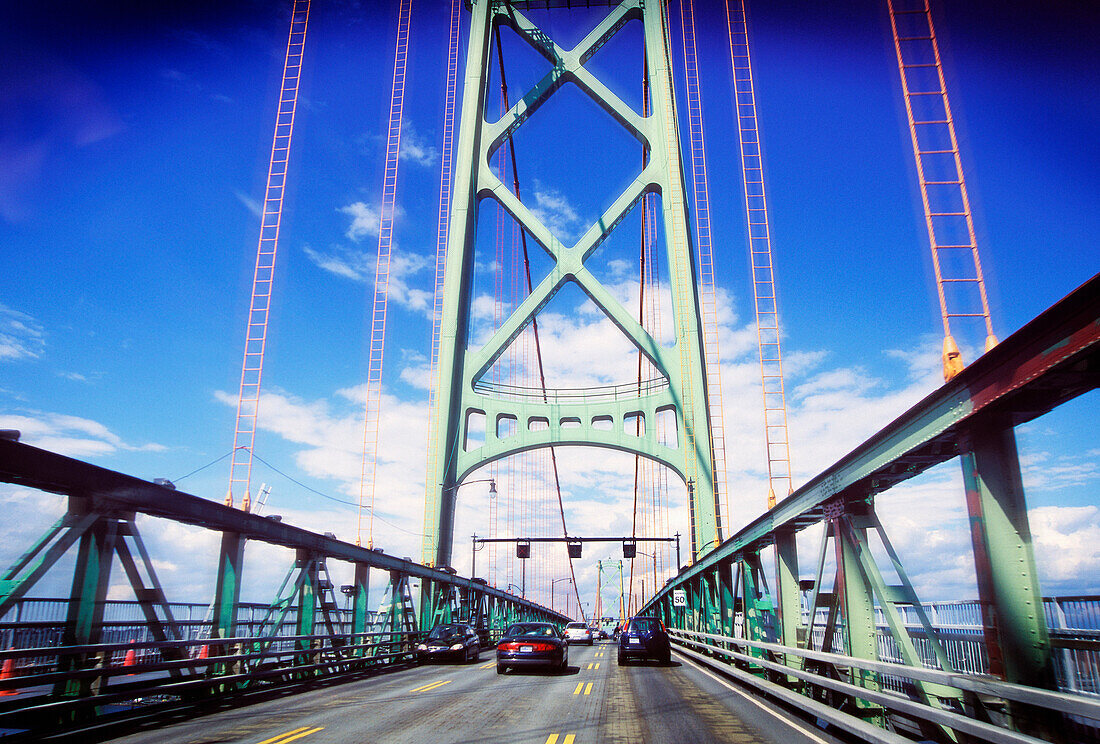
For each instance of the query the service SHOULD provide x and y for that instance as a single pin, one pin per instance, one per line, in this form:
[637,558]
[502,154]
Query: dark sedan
[532,644]
[644,638]
[453,641]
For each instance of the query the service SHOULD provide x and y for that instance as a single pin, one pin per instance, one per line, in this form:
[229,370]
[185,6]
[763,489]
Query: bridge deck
[468,703]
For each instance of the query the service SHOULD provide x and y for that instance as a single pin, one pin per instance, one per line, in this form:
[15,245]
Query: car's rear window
[530,630]
[576,625]
[644,625]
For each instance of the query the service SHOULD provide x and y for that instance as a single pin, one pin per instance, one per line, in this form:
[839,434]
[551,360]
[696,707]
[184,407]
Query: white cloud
[70,435]
[415,148]
[552,208]
[1067,546]
[21,336]
[252,205]
[359,266]
[365,221]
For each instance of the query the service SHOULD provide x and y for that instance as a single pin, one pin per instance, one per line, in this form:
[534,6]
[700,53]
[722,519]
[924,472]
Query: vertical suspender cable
[760,251]
[382,276]
[248,399]
[943,193]
[431,490]
[534,321]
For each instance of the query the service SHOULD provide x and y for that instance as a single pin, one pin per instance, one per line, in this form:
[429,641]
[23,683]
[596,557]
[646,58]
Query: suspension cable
[248,399]
[382,276]
[760,251]
[947,213]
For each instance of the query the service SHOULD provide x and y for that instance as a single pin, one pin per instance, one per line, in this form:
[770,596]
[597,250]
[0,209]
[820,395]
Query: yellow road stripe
[590,665]
[280,736]
[297,733]
[299,736]
[432,686]
[597,665]
[490,665]
[569,739]
[552,739]
[588,689]
[580,686]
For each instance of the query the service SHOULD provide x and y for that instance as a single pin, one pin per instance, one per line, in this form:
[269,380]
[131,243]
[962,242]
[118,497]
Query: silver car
[578,633]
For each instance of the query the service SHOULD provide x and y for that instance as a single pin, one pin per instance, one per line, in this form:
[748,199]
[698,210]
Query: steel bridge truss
[185,667]
[722,610]
[521,420]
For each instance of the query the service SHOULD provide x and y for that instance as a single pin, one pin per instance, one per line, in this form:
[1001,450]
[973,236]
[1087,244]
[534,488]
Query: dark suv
[644,638]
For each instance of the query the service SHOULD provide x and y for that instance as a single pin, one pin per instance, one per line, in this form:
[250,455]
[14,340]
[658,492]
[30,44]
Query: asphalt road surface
[595,701]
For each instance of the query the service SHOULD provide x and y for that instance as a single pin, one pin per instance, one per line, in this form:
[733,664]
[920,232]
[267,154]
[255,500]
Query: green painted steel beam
[99,491]
[536,418]
[1008,584]
[1051,360]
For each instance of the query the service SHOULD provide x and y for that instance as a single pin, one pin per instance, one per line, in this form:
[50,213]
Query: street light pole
[552,583]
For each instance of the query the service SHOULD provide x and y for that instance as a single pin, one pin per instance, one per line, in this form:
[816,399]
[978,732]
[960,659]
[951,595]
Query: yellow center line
[297,733]
[299,736]
[569,739]
[580,686]
[597,665]
[490,665]
[552,739]
[588,689]
[280,736]
[432,686]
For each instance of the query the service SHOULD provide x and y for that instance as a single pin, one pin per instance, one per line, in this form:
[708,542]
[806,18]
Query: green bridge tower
[514,422]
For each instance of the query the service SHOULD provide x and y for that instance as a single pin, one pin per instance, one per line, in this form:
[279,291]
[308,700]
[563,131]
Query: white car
[578,633]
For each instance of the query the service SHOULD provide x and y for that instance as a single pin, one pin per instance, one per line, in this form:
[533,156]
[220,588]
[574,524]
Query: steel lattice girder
[1051,360]
[461,369]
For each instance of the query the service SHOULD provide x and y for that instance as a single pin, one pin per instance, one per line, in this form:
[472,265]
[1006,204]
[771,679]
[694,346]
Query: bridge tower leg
[463,384]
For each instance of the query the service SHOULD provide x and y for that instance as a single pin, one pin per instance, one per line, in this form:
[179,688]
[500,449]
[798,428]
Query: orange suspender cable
[248,399]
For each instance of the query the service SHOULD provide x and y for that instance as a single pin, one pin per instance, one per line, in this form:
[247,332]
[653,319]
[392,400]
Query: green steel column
[790,598]
[360,614]
[857,608]
[1016,633]
[227,592]
[307,601]
[91,579]
[694,411]
[726,598]
[439,514]
[1012,605]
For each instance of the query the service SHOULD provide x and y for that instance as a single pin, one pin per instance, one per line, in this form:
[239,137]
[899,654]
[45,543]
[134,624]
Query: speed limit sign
[679,598]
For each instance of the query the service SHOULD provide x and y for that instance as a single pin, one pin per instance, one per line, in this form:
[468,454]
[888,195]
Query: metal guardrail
[950,710]
[41,688]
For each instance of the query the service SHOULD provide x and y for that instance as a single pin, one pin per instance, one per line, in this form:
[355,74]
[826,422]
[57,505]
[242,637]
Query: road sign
[679,598]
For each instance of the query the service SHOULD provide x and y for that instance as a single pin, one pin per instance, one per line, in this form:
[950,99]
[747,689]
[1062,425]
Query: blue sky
[133,149]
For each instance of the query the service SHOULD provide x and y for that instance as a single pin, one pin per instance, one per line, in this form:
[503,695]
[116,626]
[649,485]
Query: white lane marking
[751,699]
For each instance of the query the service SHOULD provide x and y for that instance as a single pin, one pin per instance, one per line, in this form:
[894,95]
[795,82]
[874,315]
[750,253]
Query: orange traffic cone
[131,657]
[204,652]
[7,672]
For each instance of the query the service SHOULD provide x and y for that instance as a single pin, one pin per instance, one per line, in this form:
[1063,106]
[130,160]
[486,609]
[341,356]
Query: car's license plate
[526,649]
[633,642]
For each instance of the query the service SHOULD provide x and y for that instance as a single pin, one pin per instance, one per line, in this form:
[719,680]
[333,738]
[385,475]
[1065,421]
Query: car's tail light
[533,645]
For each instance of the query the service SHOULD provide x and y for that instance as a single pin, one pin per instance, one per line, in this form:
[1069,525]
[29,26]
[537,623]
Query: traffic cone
[131,657]
[204,652]
[7,672]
